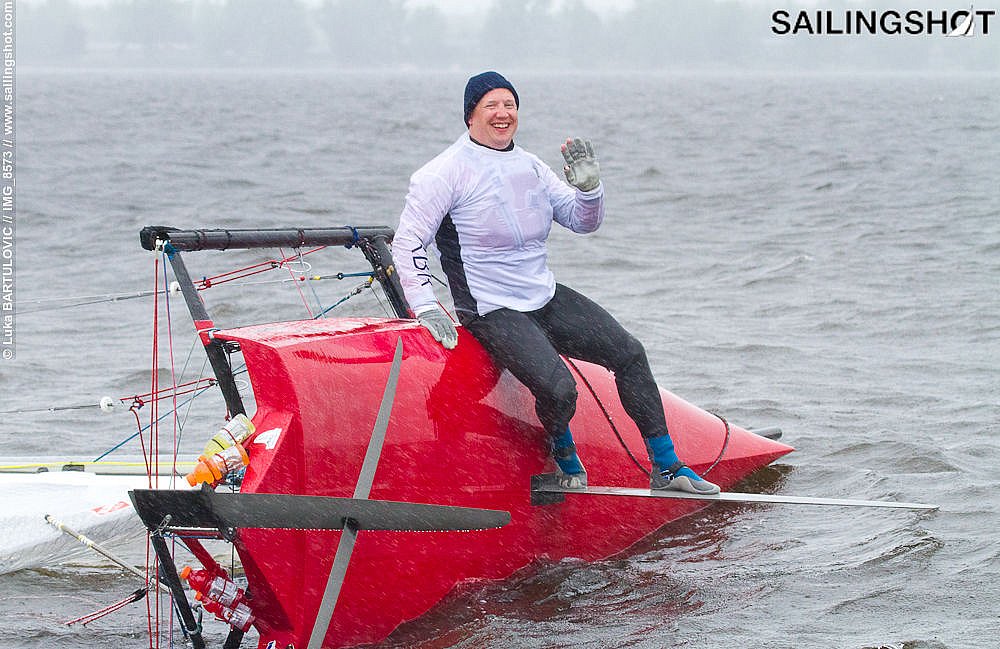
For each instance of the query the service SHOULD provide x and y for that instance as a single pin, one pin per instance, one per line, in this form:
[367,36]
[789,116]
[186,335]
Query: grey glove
[582,170]
[440,326]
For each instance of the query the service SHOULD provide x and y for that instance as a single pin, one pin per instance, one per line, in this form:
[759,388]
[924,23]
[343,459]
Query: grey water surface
[820,253]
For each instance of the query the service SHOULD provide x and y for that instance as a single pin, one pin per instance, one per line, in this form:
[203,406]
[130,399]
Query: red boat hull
[461,433]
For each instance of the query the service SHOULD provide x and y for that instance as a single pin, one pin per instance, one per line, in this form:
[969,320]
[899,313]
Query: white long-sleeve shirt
[490,213]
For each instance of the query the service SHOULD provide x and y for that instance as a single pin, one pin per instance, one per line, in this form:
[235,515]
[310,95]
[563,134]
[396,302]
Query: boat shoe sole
[686,484]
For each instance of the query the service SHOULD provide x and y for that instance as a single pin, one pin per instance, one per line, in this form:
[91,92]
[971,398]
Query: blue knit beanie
[481,84]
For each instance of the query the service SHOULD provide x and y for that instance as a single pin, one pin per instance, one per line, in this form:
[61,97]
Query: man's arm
[427,202]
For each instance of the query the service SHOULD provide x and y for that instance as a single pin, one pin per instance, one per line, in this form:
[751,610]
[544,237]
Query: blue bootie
[670,473]
[571,473]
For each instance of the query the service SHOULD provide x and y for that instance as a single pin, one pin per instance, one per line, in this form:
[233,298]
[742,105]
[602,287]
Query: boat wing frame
[372,241]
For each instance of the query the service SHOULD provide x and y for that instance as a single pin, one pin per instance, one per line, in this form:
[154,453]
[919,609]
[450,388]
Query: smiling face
[493,121]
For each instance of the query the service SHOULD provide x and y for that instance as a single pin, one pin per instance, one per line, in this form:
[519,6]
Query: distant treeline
[649,34]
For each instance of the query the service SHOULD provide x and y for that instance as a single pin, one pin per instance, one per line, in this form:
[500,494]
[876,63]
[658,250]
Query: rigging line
[142,429]
[64,298]
[305,302]
[107,610]
[50,409]
[173,378]
[194,341]
[315,294]
[725,444]
[142,442]
[385,309]
[307,278]
[85,302]
[607,415]
[167,393]
[150,579]
[206,282]
[356,291]
[187,360]
[299,279]
[271,264]
[342,275]
[154,409]
[134,409]
[150,396]
[173,389]
[190,404]
[319,302]
[173,605]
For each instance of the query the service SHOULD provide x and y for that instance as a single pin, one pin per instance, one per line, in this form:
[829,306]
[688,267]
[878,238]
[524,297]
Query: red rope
[142,442]
[154,388]
[107,610]
[154,385]
[153,621]
[167,393]
[248,271]
[173,381]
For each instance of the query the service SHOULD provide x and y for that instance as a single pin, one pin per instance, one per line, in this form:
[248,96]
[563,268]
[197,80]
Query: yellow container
[236,431]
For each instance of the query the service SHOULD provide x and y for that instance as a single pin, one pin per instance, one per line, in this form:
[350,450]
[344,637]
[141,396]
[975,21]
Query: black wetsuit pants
[529,345]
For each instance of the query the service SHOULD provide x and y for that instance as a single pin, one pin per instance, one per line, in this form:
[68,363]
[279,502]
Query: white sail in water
[967,28]
[96,506]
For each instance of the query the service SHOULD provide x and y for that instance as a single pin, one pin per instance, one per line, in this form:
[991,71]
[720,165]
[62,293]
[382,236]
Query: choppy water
[820,253]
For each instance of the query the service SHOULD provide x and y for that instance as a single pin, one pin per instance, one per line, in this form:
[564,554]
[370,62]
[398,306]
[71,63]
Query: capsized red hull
[461,433]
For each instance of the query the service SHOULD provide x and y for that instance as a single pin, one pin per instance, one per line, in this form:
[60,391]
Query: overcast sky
[725,35]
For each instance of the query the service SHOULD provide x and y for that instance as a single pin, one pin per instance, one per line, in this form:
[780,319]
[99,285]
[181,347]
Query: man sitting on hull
[489,206]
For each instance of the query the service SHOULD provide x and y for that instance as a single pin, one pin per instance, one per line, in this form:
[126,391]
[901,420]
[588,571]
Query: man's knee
[629,354]
[555,401]
[563,388]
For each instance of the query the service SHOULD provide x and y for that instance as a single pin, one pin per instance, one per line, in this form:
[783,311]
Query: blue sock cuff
[564,440]
[661,450]
[565,455]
